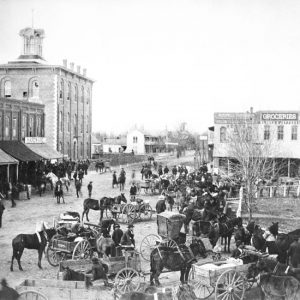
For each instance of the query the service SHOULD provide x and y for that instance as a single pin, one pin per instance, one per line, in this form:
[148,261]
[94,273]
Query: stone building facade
[65,92]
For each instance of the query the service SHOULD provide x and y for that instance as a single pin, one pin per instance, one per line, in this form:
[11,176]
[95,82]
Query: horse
[53,179]
[173,259]
[170,201]
[184,292]
[106,246]
[31,241]
[103,204]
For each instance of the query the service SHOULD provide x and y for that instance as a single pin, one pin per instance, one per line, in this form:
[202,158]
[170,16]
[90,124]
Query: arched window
[82,94]
[60,147]
[68,150]
[24,126]
[7,88]
[69,123]
[223,134]
[38,126]
[82,124]
[61,90]
[31,132]
[87,150]
[34,89]
[88,95]
[75,92]
[87,124]
[69,91]
[81,149]
[61,121]
[75,124]
[6,126]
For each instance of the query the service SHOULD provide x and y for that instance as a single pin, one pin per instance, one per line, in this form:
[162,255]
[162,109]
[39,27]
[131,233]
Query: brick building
[65,92]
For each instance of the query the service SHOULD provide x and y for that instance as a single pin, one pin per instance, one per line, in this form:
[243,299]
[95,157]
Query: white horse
[53,178]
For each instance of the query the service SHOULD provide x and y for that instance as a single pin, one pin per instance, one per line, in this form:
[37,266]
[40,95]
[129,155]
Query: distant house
[142,142]
[114,145]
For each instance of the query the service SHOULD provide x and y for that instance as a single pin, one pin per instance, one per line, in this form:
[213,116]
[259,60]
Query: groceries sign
[279,118]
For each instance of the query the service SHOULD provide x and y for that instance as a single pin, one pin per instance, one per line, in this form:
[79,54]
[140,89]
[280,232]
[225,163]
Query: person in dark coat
[114,180]
[75,176]
[117,235]
[80,175]
[127,239]
[166,170]
[174,170]
[133,191]
[160,170]
[90,188]
[2,208]
[78,188]
[161,204]
[294,254]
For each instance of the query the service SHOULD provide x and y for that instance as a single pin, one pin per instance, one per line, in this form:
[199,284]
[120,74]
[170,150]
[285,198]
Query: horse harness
[45,236]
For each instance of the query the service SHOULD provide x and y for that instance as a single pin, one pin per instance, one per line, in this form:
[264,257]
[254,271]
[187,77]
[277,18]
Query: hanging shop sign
[279,118]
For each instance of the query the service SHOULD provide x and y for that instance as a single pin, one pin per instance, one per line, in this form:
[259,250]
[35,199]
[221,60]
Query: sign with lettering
[279,118]
[35,140]
[231,118]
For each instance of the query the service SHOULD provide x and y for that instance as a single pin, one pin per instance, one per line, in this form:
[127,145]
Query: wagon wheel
[54,257]
[146,210]
[129,213]
[82,250]
[32,295]
[127,280]
[230,285]
[202,291]
[149,242]
[169,243]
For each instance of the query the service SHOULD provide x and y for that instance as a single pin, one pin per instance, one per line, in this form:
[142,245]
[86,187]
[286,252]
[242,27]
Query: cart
[138,210]
[76,247]
[125,270]
[169,225]
[227,279]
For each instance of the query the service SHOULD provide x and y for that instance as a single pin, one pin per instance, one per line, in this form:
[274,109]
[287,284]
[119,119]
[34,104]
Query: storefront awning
[19,151]
[6,159]
[45,151]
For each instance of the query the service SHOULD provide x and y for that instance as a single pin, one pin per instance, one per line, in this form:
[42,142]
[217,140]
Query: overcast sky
[160,62]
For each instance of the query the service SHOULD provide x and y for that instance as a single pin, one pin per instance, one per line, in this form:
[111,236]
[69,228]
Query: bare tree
[251,158]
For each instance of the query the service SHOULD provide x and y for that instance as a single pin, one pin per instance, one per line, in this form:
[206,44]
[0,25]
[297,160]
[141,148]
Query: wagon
[169,225]
[126,270]
[227,279]
[72,246]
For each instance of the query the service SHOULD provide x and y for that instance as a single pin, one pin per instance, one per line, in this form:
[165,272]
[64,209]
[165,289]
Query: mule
[173,259]
[30,241]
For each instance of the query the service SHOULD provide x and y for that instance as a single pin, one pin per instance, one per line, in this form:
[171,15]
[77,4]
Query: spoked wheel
[230,285]
[127,280]
[54,257]
[32,295]
[169,243]
[82,250]
[129,213]
[149,242]
[145,211]
[201,290]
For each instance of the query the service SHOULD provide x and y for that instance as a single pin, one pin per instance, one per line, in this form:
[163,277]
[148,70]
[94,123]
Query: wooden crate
[63,290]
[115,264]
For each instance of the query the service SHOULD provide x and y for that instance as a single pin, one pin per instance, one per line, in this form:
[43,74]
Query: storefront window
[223,134]
[267,132]
[294,132]
[280,132]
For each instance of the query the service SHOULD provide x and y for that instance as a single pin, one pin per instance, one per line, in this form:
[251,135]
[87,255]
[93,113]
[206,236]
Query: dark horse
[174,259]
[30,241]
[104,203]
[58,193]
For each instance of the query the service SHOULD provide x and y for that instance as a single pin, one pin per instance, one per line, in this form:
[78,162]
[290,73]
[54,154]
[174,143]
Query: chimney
[78,69]
[65,63]
[84,71]
[72,66]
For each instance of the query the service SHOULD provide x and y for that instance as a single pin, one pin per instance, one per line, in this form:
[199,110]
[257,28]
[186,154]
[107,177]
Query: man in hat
[98,271]
[116,237]
[161,204]
[133,191]
[127,240]
[90,188]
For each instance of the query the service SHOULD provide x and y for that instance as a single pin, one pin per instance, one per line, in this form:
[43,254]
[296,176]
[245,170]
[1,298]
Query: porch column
[17,172]
[8,173]
[289,167]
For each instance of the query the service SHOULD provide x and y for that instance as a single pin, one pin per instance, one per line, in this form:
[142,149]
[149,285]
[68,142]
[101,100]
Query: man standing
[114,180]
[127,239]
[80,175]
[133,191]
[78,187]
[161,204]
[2,207]
[90,188]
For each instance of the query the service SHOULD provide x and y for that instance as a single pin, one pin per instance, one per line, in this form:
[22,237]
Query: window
[87,124]
[75,93]
[88,95]
[1,126]
[75,124]
[223,134]
[87,149]
[135,139]
[69,91]
[267,132]
[82,94]
[7,89]
[61,90]
[294,132]
[60,121]
[6,126]
[280,132]
[69,122]
[31,126]
[14,127]
[82,124]
[81,149]
[38,126]
[60,147]
[34,89]
[68,149]
[24,126]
